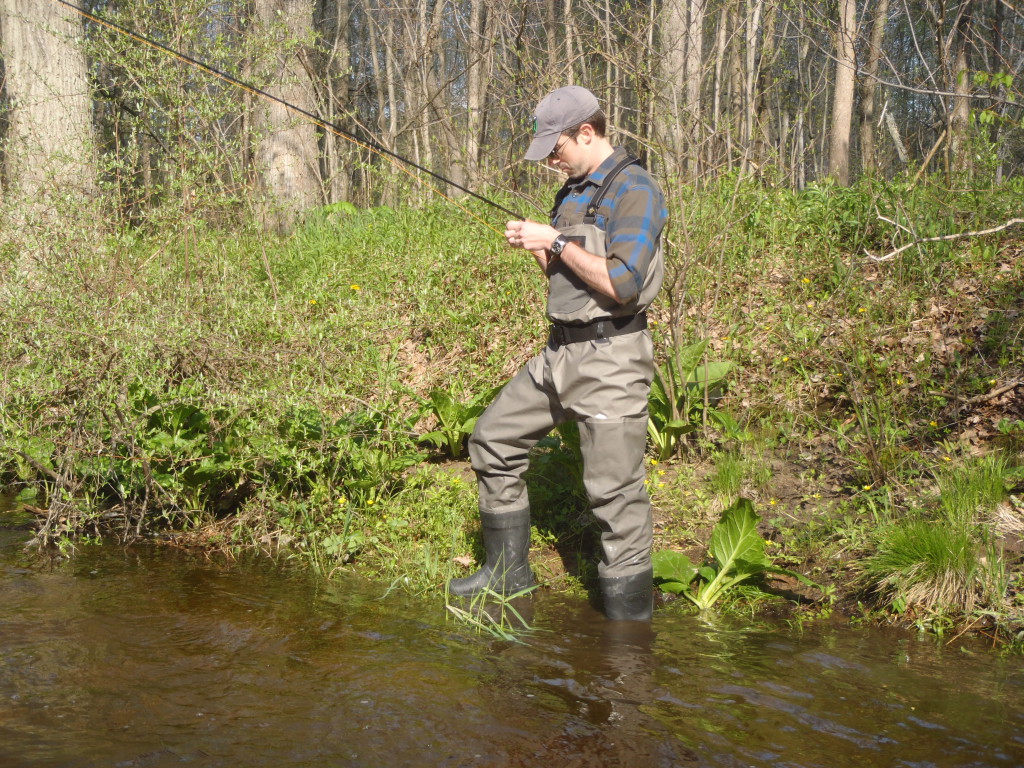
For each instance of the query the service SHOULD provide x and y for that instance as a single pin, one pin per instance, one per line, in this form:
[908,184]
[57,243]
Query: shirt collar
[598,175]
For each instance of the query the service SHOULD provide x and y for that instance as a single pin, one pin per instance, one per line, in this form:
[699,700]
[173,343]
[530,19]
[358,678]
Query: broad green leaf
[437,438]
[709,375]
[673,571]
[688,357]
[444,406]
[798,576]
[736,537]
[681,426]
[707,572]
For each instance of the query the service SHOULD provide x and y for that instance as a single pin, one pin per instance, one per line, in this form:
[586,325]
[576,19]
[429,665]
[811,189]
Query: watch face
[558,245]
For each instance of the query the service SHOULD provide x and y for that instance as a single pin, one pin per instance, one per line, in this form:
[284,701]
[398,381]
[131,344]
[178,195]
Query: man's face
[568,157]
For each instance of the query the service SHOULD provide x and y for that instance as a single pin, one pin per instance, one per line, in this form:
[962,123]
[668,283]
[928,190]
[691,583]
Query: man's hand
[531,235]
[537,238]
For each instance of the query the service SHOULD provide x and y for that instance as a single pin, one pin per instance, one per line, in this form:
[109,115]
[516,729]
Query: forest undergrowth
[309,396]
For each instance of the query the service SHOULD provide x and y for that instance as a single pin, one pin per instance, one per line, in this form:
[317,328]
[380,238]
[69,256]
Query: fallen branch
[977,398]
[38,467]
[957,236]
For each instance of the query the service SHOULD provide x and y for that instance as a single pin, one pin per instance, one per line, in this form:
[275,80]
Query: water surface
[154,657]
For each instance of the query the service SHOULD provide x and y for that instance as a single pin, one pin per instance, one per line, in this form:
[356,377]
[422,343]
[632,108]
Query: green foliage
[455,419]
[253,386]
[931,566]
[969,490]
[678,394]
[727,479]
[491,613]
[737,554]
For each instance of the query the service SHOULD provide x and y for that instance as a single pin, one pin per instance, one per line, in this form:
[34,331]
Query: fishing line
[394,158]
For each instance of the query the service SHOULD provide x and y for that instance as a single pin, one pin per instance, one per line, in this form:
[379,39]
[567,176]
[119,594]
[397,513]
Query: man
[602,257]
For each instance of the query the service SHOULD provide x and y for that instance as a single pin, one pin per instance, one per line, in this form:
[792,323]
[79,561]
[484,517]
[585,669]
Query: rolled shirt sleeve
[633,233]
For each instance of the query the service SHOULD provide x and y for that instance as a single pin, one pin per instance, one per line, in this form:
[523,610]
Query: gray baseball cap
[558,111]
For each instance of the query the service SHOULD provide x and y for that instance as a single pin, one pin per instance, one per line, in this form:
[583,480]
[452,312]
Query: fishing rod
[396,159]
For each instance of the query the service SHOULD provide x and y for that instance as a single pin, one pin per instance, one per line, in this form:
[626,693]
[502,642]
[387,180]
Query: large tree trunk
[50,146]
[286,156]
[868,161]
[842,103]
[682,61]
[674,117]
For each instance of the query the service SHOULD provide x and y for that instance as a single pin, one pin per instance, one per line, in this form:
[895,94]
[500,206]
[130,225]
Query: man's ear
[586,130]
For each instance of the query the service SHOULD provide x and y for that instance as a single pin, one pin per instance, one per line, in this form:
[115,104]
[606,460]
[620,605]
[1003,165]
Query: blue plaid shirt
[632,214]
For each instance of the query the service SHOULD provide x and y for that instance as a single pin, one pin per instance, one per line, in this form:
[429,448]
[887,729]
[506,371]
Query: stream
[151,656]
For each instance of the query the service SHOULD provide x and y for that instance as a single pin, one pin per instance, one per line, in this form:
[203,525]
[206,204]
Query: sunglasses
[558,149]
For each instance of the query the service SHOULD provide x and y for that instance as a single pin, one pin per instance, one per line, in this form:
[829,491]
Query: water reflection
[149,657]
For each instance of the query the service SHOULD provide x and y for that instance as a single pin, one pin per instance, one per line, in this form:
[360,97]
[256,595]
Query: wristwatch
[558,245]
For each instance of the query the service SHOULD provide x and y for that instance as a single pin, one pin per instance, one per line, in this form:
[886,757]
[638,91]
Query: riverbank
[308,396]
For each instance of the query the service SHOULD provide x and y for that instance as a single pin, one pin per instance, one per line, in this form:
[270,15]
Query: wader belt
[597,329]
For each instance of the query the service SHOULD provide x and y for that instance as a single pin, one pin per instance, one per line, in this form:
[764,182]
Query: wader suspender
[591,218]
[595,202]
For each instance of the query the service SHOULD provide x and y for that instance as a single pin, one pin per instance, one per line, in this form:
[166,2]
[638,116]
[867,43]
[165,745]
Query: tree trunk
[480,54]
[335,74]
[753,34]
[734,126]
[869,90]
[999,91]
[673,111]
[50,147]
[842,104]
[961,76]
[286,155]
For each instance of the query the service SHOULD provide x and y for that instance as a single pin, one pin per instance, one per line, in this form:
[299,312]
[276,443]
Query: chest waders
[596,370]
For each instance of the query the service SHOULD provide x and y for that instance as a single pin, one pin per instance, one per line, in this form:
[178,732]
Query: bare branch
[958,236]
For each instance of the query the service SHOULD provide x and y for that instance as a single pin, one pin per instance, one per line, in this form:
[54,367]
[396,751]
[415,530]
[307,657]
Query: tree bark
[869,89]
[755,8]
[842,104]
[674,115]
[961,77]
[50,147]
[480,55]
[286,153]
[336,65]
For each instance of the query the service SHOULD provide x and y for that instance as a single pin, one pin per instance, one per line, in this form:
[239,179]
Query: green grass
[929,566]
[970,491]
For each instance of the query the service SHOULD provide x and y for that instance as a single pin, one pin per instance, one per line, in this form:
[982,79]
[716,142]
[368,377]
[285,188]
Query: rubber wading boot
[629,598]
[507,545]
